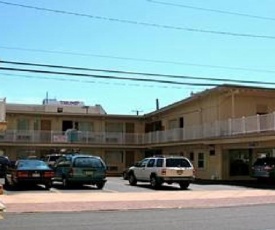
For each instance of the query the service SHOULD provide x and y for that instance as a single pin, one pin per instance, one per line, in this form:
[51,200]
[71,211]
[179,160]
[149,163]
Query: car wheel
[184,184]
[124,175]
[154,182]
[48,185]
[100,185]
[7,184]
[132,179]
[65,183]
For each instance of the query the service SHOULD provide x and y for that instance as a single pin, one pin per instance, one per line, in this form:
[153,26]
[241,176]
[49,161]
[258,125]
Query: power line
[212,10]
[140,59]
[105,77]
[136,73]
[117,20]
[86,81]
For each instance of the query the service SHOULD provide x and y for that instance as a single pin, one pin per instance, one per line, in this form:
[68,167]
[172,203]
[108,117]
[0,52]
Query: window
[201,160]
[130,127]
[85,126]
[159,162]
[144,162]
[88,162]
[114,157]
[173,162]
[151,163]
[114,127]
[23,124]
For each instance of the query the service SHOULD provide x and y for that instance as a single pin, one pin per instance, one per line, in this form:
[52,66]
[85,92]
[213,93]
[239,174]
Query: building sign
[74,103]
[67,103]
[60,138]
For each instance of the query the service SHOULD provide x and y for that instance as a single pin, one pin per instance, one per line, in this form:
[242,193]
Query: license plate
[35,175]
[179,172]
[89,173]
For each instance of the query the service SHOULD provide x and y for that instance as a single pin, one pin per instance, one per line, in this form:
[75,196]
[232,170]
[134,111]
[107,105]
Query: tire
[125,175]
[184,185]
[155,184]
[48,185]
[132,179]
[65,183]
[100,185]
[7,184]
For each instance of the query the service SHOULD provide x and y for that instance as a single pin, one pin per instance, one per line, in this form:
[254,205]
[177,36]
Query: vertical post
[243,124]
[230,127]
[258,123]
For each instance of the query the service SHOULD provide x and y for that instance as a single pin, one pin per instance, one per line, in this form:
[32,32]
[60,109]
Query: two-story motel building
[221,130]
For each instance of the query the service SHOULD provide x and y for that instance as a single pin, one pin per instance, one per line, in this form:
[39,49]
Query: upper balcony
[215,130]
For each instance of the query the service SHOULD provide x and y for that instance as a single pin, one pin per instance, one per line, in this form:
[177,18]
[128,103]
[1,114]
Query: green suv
[80,169]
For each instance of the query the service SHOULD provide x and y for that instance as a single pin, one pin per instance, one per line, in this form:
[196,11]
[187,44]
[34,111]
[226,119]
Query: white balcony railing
[230,127]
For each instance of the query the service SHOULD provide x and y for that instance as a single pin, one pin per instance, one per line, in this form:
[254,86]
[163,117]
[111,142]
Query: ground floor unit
[224,159]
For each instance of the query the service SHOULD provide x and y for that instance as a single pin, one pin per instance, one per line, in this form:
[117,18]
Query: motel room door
[46,126]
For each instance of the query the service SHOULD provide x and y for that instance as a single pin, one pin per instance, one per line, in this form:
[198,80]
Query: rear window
[88,162]
[32,164]
[265,161]
[177,162]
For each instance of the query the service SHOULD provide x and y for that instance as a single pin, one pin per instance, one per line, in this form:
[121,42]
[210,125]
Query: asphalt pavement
[52,201]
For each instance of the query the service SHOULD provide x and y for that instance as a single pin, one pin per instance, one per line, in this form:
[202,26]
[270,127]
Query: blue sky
[104,35]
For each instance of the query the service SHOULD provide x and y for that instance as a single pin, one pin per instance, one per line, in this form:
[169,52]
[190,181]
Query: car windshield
[265,161]
[53,158]
[177,162]
[31,164]
[4,160]
[88,162]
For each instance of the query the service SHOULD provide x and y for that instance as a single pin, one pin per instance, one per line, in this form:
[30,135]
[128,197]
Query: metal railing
[230,127]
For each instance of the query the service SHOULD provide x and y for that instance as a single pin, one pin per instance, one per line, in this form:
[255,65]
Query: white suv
[162,169]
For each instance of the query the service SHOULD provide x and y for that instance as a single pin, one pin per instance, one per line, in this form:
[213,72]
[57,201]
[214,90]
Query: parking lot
[118,185]
[119,195]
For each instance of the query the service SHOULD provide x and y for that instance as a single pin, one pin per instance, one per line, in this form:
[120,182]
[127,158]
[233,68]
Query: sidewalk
[71,202]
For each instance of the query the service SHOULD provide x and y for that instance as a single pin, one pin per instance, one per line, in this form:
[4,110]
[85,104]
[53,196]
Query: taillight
[268,168]
[163,172]
[48,174]
[22,174]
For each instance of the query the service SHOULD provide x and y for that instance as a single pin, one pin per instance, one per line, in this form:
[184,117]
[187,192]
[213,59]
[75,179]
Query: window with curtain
[114,157]
[22,124]
[114,127]
[86,126]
